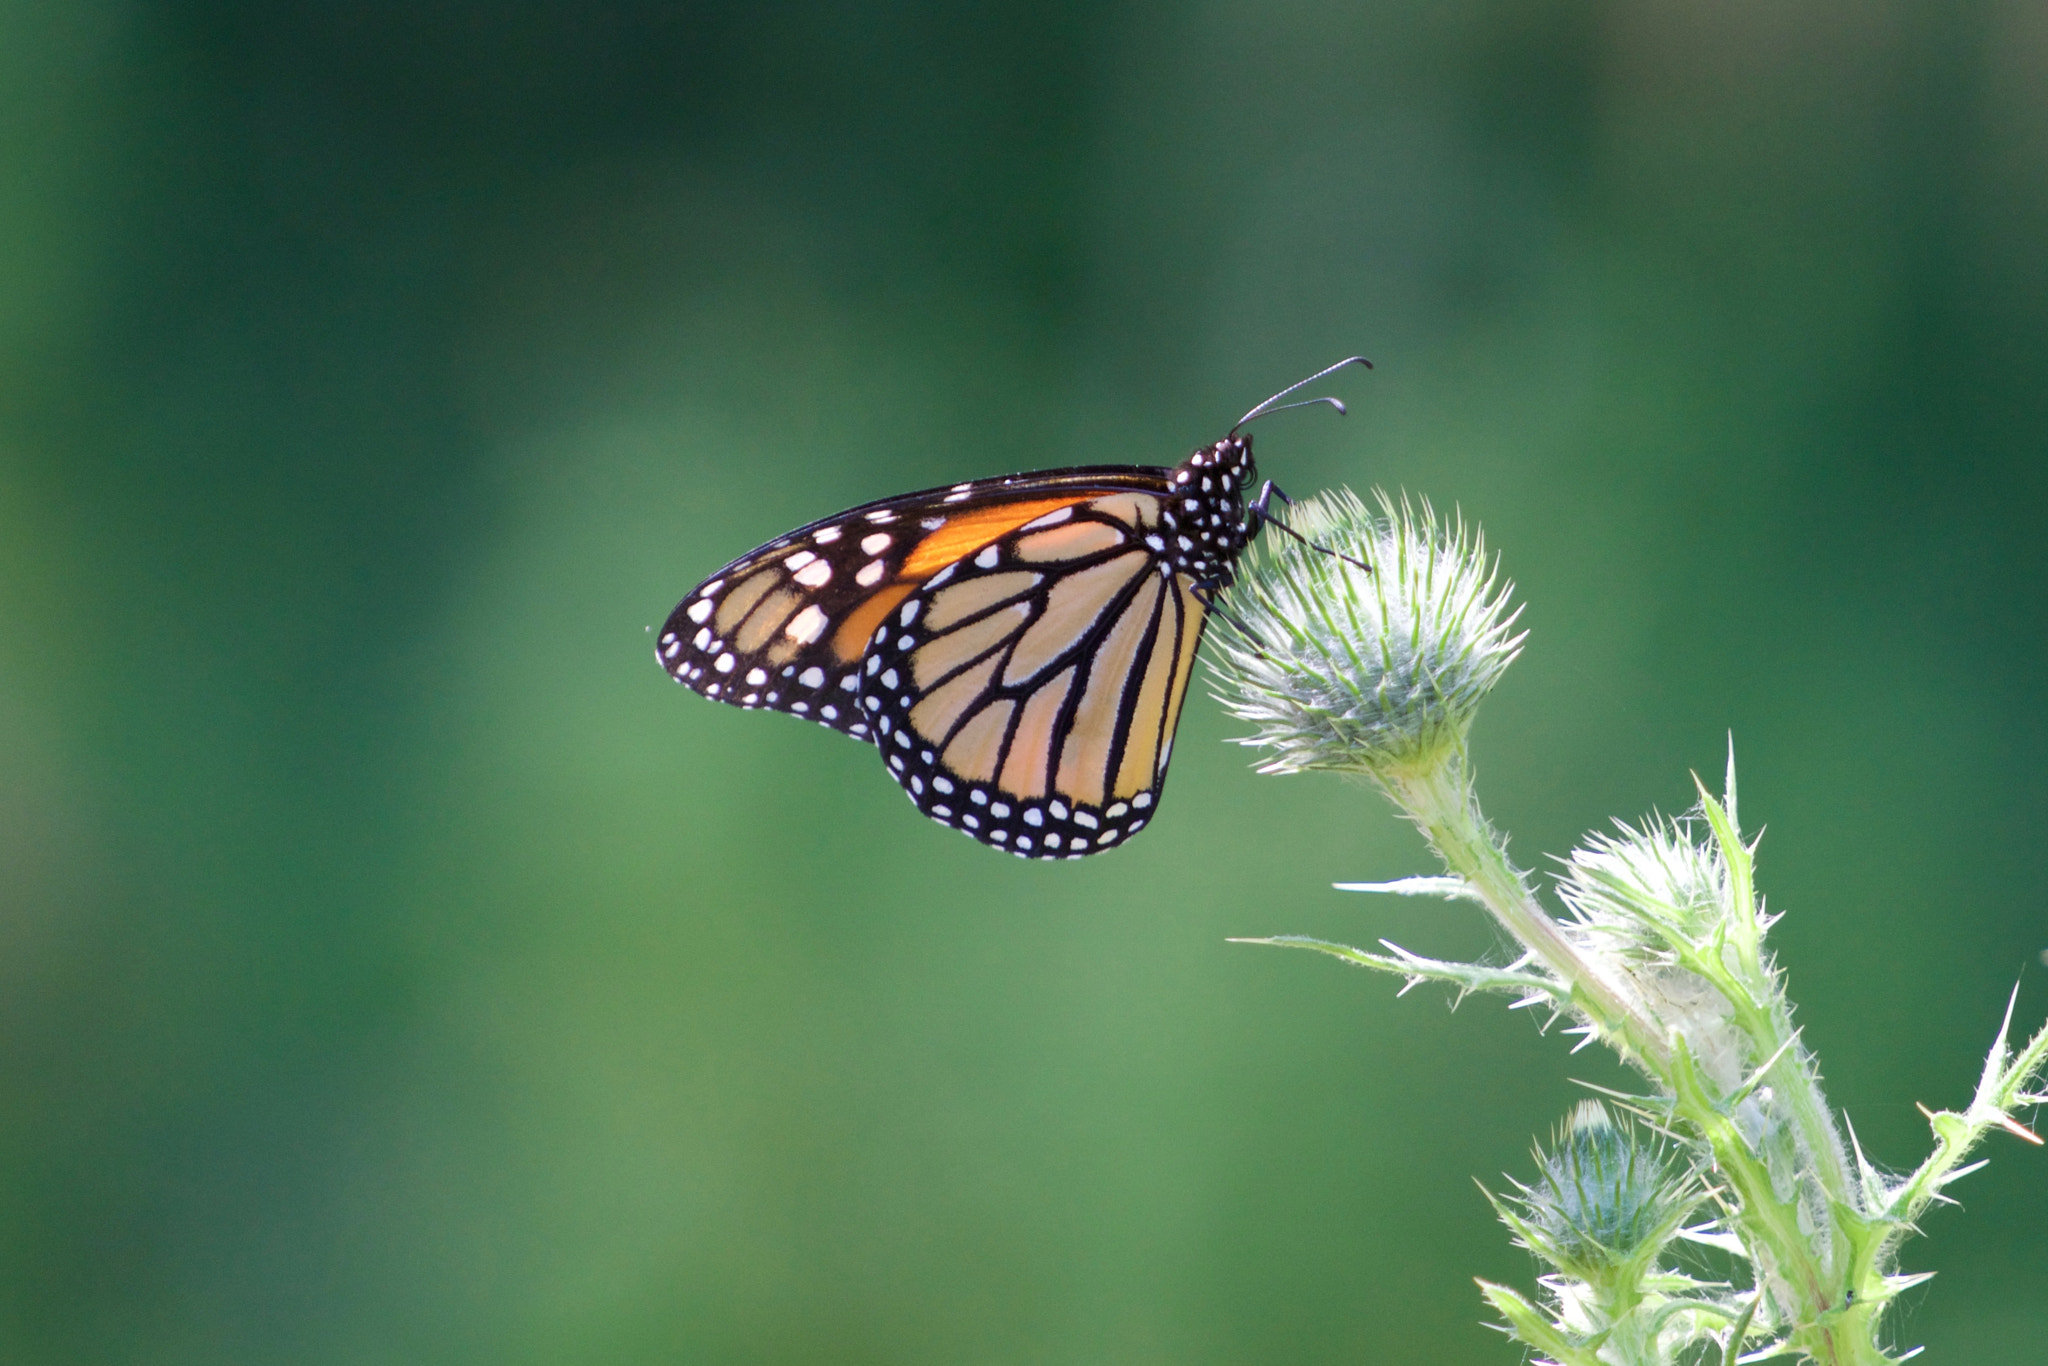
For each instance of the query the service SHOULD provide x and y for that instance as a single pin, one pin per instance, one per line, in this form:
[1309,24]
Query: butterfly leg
[1259,515]
[1206,591]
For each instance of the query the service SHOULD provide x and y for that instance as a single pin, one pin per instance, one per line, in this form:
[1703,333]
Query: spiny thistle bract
[1357,670]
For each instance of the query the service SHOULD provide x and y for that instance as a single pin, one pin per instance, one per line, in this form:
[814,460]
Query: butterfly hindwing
[1026,693]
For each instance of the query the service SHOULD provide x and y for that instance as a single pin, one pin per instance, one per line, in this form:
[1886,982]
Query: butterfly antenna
[1267,407]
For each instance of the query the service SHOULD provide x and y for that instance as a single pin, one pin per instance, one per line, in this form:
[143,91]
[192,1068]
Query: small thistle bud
[1374,672]
[1641,885]
[1609,1196]
[1653,899]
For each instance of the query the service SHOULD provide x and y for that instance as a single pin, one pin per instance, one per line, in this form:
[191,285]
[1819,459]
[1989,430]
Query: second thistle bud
[1607,1198]
[1361,671]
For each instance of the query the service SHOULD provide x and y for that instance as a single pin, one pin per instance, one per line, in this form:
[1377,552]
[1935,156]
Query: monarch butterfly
[1017,648]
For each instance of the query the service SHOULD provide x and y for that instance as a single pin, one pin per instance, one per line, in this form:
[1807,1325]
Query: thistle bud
[1373,671]
[1609,1195]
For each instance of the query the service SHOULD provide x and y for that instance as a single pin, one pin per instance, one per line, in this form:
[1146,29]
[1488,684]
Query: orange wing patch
[966,532]
[850,641]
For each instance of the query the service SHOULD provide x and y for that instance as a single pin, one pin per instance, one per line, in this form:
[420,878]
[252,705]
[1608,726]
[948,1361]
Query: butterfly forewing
[1027,693]
[786,626]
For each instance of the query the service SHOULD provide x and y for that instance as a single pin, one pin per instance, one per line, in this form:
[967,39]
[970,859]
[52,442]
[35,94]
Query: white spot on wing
[871,573]
[701,609]
[813,677]
[799,560]
[877,543]
[815,575]
[987,558]
[806,626]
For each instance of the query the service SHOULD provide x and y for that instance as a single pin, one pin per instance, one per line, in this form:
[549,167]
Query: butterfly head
[1203,510]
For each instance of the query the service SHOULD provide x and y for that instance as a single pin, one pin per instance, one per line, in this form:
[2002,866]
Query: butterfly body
[1016,648]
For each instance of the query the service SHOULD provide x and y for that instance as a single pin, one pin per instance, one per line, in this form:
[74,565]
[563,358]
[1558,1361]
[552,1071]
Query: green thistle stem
[1438,798]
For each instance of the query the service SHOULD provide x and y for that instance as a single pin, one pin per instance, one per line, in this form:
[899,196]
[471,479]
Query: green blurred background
[395,966]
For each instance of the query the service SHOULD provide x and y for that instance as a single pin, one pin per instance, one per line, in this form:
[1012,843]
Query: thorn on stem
[2013,1126]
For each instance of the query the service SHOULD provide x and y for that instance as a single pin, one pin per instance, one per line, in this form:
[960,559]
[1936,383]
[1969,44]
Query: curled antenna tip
[1273,404]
